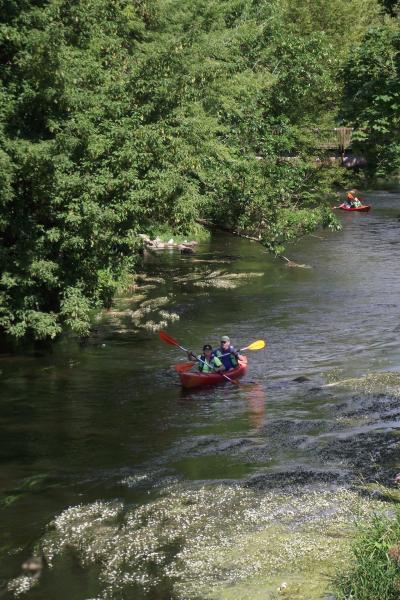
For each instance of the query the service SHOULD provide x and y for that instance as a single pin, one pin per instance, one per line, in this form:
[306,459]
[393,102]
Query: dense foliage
[372,97]
[121,116]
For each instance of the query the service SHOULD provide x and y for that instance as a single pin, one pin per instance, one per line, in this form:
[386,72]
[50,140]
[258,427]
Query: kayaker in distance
[207,362]
[227,353]
[352,200]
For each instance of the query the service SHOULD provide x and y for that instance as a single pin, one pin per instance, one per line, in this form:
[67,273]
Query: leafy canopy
[120,116]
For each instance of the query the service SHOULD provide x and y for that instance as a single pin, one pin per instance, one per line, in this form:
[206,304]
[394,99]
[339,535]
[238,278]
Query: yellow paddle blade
[258,345]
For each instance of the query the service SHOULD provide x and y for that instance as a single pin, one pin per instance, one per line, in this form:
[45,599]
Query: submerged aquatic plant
[206,540]
[219,279]
[22,584]
[387,383]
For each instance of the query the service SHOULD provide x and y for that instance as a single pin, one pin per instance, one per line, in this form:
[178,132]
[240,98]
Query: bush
[375,574]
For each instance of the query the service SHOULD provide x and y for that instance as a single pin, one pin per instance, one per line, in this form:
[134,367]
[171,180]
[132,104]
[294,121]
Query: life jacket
[229,361]
[210,364]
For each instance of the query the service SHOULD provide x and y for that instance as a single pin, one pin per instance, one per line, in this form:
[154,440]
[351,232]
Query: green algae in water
[373,383]
[213,542]
[25,487]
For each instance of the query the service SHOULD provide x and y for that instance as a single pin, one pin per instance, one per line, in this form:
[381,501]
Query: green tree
[67,233]
[118,117]
[372,97]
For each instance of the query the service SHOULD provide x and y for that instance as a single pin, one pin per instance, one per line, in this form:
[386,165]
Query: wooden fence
[334,139]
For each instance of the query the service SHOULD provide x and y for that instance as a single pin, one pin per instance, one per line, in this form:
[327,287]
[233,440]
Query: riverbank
[374,570]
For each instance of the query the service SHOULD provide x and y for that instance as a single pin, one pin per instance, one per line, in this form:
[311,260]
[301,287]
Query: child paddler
[207,362]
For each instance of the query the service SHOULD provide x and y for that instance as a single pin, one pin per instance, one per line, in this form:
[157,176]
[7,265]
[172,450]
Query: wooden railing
[334,139]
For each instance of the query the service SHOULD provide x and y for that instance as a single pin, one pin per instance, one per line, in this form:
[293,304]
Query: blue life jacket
[229,361]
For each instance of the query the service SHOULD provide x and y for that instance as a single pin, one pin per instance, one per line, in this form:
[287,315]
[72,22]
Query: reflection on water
[256,398]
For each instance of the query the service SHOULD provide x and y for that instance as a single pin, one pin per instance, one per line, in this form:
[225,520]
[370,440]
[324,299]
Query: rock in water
[33,565]
[184,249]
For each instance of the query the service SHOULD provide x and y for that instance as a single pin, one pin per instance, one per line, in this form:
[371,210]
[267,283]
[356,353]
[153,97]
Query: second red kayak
[362,208]
[197,379]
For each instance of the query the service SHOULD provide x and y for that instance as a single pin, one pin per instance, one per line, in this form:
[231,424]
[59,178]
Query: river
[107,425]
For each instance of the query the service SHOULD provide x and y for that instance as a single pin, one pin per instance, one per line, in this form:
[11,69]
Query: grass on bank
[375,573]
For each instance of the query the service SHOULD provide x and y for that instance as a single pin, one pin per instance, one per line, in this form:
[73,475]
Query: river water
[108,421]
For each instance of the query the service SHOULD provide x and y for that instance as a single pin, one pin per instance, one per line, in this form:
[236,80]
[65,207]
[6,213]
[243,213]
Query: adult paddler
[352,200]
[227,353]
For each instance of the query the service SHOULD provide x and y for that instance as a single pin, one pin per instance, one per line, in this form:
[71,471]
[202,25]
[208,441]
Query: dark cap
[207,347]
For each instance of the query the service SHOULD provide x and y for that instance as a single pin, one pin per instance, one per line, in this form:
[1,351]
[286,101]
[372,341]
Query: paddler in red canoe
[207,362]
[352,201]
[227,354]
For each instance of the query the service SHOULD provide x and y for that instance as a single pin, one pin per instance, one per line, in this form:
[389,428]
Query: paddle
[170,340]
[258,345]
[352,205]
[349,207]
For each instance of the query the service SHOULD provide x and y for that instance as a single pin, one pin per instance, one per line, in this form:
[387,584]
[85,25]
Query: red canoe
[197,379]
[362,208]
